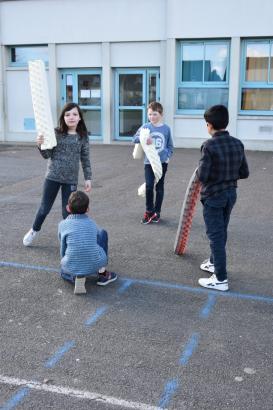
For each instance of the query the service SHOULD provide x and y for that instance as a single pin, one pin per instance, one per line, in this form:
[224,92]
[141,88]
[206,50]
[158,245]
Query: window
[20,55]
[257,77]
[203,75]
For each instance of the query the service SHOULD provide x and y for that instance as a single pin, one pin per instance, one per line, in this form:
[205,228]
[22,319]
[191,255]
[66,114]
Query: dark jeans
[159,188]
[50,191]
[216,212]
[102,241]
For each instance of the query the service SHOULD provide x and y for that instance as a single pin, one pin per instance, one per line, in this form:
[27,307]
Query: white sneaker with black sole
[79,286]
[29,237]
[214,283]
[207,266]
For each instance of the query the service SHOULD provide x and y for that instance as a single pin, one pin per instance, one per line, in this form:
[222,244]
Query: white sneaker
[214,283]
[207,266]
[79,286]
[29,237]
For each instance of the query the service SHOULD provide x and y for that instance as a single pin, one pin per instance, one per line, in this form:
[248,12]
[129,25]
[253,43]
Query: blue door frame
[146,74]
[69,80]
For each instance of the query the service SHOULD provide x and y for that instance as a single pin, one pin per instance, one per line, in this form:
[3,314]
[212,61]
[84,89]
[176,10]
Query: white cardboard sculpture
[152,156]
[138,152]
[41,103]
[151,153]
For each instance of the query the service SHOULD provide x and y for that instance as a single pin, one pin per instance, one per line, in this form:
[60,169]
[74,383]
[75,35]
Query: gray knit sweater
[80,252]
[64,159]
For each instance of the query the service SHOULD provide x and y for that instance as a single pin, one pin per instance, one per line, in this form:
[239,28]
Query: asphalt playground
[153,339]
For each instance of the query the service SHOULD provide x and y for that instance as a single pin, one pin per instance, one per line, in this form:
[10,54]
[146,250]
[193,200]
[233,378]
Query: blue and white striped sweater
[80,252]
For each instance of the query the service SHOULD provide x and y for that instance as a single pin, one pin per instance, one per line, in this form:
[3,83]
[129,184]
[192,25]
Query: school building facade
[113,57]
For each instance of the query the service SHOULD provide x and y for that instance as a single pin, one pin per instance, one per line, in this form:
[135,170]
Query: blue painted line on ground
[207,308]
[127,283]
[23,266]
[51,362]
[189,349]
[95,316]
[147,282]
[229,294]
[169,390]
[15,399]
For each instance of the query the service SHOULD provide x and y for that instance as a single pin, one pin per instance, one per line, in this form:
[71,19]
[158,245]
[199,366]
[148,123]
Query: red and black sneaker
[155,218]
[146,218]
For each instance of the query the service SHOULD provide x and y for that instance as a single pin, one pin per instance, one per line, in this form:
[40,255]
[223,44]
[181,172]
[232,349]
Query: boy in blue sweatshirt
[83,246]
[160,136]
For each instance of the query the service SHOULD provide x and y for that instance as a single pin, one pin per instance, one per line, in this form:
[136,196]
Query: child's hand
[149,141]
[87,185]
[40,139]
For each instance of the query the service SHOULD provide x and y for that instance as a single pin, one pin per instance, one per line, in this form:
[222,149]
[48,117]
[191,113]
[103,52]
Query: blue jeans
[50,191]
[159,188]
[216,213]
[102,241]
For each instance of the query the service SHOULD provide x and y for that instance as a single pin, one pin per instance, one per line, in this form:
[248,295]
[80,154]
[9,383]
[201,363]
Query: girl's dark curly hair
[81,127]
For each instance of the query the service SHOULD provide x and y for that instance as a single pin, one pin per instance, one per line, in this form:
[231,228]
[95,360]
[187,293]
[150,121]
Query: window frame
[29,46]
[254,84]
[199,84]
[75,74]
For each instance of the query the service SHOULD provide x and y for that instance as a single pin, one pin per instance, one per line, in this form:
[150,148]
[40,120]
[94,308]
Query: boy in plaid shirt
[222,163]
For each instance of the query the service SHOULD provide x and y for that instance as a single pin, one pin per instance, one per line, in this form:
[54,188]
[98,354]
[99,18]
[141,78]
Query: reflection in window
[69,88]
[257,59]
[204,79]
[129,122]
[92,119]
[130,89]
[152,87]
[89,89]
[192,62]
[20,55]
[201,98]
[204,62]
[215,62]
[257,99]
[257,84]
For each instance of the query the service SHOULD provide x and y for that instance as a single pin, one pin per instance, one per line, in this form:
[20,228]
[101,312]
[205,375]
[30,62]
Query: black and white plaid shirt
[222,163]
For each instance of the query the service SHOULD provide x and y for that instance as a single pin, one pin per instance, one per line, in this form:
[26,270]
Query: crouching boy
[83,246]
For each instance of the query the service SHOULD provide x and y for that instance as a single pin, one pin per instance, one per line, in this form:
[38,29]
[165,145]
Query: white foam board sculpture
[41,103]
[138,152]
[152,156]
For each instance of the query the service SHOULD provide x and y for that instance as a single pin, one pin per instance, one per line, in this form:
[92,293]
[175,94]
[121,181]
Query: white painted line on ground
[80,394]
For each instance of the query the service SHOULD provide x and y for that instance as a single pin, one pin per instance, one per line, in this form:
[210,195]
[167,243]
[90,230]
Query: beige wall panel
[78,55]
[145,54]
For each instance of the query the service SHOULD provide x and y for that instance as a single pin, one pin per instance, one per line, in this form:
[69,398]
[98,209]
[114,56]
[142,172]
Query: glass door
[134,90]
[84,88]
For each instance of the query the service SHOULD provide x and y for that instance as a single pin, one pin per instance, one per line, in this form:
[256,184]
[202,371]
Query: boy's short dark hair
[217,116]
[156,106]
[78,202]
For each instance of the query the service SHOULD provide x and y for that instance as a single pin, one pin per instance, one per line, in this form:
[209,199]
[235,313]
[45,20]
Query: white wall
[18,105]
[2,89]
[218,18]
[256,133]
[62,21]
